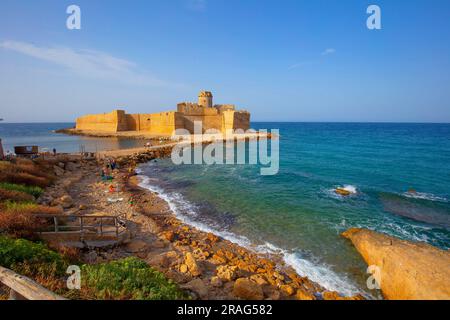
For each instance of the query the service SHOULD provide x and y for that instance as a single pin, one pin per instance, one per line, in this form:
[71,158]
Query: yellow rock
[406,270]
[302,294]
[287,289]
[192,265]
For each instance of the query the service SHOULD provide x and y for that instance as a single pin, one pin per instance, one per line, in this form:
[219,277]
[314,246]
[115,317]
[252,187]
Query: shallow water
[42,135]
[297,213]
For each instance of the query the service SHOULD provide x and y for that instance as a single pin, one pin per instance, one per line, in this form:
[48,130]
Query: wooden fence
[85,226]
[23,288]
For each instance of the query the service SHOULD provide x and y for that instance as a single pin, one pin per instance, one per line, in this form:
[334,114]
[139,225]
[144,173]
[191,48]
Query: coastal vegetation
[22,182]
[31,190]
[129,278]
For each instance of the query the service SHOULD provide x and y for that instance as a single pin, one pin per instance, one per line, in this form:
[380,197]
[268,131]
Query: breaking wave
[186,212]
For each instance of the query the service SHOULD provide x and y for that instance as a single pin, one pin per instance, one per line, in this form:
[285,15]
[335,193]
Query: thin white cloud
[328,51]
[300,64]
[196,5]
[86,63]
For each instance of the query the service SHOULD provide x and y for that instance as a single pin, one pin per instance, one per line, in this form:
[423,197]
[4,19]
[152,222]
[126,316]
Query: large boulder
[246,289]
[135,246]
[198,287]
[192,264]
[66,201]
[408,270]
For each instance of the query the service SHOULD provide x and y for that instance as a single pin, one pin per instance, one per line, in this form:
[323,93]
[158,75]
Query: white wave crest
[321,274]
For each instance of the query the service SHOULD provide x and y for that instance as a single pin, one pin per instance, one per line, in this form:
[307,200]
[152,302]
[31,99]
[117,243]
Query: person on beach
[113,164]
[54,152]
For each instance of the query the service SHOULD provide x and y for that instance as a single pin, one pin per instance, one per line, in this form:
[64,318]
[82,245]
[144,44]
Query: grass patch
[25,172]
[36,261]
[31,190]
[24,178]
[30,258]
[128,278]
[11,205]
[17,219]
[13,195]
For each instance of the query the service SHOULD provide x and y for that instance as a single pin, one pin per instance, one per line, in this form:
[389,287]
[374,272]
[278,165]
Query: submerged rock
[408,270]
[342,192]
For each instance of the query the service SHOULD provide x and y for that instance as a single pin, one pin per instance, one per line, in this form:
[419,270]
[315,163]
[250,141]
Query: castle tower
[205,99]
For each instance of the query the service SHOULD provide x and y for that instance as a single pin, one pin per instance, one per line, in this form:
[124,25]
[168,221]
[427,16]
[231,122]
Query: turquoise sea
[296,212]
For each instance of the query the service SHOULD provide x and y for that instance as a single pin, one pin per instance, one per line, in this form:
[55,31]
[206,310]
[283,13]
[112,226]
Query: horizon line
[262,121]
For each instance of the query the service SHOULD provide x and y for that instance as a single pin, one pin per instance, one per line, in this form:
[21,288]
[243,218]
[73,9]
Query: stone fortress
[221,117]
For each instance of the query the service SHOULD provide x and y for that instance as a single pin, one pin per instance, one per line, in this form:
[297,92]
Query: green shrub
[27,205]
[32,190]
[128,278]
[29,258]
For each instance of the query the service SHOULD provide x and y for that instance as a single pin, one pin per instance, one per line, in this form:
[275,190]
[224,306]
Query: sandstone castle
[221,117]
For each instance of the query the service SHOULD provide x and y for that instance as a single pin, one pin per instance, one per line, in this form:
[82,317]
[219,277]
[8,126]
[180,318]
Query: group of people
[107,170]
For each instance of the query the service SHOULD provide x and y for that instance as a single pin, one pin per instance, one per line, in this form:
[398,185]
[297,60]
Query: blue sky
[281,60]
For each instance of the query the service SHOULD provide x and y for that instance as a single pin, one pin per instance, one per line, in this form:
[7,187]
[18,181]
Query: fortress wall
[145,121]
[241,120]
[224,107]
[122,123]
[164,123]
[208,122]
[235,120]
[190,109]
[107,122]
[133,122]
[220,117]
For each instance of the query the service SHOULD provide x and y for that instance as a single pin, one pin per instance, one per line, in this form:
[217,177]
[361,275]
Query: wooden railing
[23,288]
[84,225]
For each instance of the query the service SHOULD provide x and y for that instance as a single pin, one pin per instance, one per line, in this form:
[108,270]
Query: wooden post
[24,288]
[81,229]
[55,220]
[14,295]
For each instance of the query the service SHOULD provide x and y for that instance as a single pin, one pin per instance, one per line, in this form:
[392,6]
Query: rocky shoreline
[206,266]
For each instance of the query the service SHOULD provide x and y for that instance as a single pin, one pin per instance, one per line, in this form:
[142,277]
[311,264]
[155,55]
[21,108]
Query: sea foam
[321,274]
